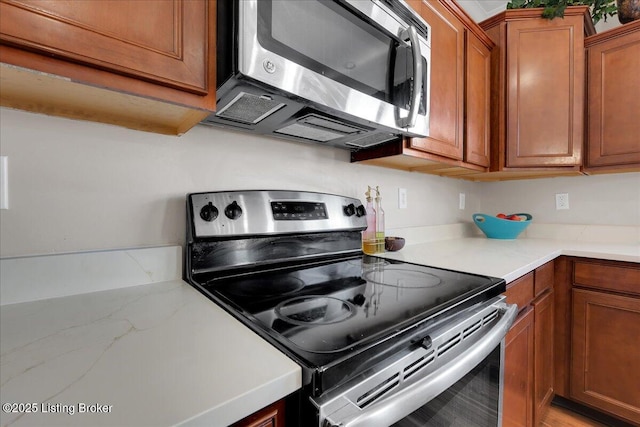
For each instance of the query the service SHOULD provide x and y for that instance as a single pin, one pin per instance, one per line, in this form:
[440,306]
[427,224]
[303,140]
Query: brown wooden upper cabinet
[458,141]
[477,101]
[460,89]
[148,65]
[446,114]
[538,89]
[613,90]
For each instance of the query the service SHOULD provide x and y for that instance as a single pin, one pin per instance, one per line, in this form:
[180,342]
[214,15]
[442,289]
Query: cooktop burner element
[403,278]
[317,310]
[258,287]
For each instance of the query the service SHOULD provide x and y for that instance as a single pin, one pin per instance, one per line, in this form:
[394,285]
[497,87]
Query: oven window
[474,401]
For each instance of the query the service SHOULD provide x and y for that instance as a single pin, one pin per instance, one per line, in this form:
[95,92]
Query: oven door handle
[404,402]
[416,87]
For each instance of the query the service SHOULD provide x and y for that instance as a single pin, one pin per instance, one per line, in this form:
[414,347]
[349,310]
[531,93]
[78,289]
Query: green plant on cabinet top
[555,8]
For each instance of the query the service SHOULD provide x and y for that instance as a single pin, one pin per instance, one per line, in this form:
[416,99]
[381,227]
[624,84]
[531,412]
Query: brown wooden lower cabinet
[271,416]
[605,367]
[517,405]
[543,355]
[597,335]
[529,349]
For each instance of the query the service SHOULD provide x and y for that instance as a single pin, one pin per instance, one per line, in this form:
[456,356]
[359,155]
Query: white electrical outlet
[562,201]
[462,200]
[402,198]
[4,183]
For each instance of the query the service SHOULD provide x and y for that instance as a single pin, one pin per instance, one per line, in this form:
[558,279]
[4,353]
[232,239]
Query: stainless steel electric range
[380,342]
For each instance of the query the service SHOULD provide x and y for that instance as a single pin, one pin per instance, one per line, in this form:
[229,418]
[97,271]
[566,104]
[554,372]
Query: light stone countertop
[508,259]
[154,354]
[463,247]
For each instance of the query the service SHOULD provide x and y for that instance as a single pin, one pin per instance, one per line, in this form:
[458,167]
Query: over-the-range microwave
[346,73]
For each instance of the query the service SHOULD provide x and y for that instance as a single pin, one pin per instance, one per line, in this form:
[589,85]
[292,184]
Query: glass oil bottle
[369,242]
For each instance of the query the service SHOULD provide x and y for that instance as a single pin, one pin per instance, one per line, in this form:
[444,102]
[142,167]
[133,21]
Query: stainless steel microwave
[346,73]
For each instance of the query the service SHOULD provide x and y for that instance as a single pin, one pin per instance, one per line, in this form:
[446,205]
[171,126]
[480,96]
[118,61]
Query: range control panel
[268,212]
[287,211]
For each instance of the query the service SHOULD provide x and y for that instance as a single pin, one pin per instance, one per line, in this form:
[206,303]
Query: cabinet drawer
[543,278]
[605,276]
[520,291]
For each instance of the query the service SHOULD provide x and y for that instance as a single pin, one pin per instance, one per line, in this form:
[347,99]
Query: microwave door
[333,54]
[327,38]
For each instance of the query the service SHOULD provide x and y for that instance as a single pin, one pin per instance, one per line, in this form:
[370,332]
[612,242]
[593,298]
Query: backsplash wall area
[77,186]
[612,199]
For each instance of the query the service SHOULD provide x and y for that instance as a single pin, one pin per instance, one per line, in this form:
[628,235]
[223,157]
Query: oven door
[473,401]
[455,378]
[363,58]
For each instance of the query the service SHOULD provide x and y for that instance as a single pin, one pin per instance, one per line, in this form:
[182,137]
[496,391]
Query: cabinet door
[543,355]
[477,99]
[447,82]
[605,352]
[518,372]
[544,92]
[161,41]
[614,101]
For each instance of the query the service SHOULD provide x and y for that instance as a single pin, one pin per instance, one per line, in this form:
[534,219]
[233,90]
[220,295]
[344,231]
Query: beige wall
[76,186]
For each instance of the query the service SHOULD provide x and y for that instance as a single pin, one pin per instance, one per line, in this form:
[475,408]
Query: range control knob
[350,210]
[209,212]
[233,211]
[361,211]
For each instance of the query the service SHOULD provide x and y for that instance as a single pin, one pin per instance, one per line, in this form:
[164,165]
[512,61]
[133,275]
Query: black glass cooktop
[335,307]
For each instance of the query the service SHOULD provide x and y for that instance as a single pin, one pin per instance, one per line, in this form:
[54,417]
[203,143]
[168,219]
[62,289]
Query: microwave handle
[406,401]
[410,120]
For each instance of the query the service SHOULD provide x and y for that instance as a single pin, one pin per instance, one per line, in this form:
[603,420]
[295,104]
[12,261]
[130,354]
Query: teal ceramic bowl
[498,228]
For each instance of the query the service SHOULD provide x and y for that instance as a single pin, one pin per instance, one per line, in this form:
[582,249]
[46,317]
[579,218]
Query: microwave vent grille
[323,122]
[300,130]
[318,128]
[249,108]
[372,139]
